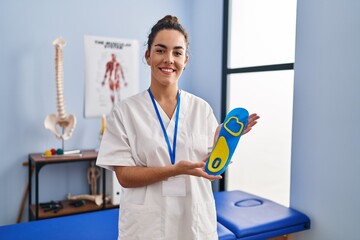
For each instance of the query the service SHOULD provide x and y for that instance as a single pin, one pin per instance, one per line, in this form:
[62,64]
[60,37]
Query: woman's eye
[178,53]
[159,51]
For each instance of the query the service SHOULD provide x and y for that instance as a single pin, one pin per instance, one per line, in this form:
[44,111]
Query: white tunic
[133,137]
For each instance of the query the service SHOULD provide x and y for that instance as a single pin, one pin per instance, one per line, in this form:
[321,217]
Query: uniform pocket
[135,222]
[205,220]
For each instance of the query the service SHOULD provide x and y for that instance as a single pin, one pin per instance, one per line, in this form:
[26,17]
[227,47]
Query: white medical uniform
[181,208]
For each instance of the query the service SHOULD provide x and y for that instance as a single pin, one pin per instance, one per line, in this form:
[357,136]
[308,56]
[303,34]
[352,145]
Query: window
[258,57]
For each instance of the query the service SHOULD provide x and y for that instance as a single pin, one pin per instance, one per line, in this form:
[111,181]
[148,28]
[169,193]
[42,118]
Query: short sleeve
[212,125]
[114,148]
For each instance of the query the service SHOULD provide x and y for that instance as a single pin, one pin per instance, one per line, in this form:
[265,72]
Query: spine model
[66,123]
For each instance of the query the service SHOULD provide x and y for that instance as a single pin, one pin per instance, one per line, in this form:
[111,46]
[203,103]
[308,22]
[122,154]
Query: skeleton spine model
[66,123]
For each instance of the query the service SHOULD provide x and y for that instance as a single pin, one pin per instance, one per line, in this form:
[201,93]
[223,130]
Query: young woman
[157,142]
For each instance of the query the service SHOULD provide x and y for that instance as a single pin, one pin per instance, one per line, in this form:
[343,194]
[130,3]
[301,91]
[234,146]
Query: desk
[37,161]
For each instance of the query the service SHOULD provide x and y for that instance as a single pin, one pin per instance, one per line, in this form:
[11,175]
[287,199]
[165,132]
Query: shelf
[70,210]
[86,155]
[37,161]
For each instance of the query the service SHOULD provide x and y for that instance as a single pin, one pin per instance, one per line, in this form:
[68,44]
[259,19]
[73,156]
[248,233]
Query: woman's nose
[169,59]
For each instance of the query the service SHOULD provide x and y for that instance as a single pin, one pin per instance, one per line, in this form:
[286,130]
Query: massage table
[250,217]
[240,216]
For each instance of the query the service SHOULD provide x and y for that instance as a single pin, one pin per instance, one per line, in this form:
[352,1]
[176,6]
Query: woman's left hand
[251,122]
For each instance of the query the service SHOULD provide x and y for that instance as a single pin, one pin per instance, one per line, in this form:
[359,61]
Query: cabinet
[37,161]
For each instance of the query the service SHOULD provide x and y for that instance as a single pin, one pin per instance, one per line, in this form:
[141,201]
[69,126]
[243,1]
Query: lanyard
[173,150]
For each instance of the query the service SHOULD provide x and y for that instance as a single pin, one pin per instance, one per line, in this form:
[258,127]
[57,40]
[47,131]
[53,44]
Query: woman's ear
[186,60]
[147,57]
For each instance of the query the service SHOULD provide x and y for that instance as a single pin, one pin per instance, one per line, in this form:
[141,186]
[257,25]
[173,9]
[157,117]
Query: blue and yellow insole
[229,136]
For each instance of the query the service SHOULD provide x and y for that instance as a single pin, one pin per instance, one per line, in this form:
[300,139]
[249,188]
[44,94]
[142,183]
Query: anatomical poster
[111,73]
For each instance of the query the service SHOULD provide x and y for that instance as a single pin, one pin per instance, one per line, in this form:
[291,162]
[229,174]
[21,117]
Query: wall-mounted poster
[111,73]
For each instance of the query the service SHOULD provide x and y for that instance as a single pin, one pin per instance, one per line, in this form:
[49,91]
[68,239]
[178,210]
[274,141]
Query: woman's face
[167,57]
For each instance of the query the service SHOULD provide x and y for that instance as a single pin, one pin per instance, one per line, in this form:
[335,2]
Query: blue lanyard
[171,152]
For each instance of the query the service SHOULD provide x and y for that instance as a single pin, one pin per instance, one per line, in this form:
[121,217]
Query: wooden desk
[37,161]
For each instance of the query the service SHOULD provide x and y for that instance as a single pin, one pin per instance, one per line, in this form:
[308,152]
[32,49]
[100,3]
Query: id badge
[174,187]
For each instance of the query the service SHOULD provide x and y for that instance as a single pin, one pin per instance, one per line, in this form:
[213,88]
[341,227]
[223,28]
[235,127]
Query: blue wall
[27,85]
[326,153]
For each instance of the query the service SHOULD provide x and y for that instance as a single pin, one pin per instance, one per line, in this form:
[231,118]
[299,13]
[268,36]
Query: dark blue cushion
[253,217]
[224,233]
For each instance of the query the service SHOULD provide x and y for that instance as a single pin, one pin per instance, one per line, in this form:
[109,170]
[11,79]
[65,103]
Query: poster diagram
[111,73]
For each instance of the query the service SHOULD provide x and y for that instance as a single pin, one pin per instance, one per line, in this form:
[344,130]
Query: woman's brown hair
[170,23]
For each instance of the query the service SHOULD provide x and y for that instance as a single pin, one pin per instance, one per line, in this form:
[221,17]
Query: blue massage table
[249,217]
[240,216]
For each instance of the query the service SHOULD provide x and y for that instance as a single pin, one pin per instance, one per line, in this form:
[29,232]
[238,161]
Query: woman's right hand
[138,176]
[195,169]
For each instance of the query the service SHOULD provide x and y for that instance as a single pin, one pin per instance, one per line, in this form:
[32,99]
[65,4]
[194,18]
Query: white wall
[326,130]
